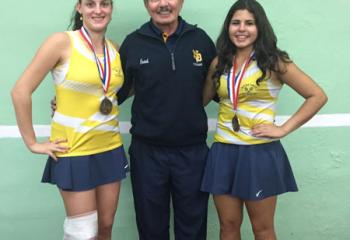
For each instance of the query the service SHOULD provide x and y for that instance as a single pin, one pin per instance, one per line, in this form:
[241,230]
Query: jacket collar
[149,29]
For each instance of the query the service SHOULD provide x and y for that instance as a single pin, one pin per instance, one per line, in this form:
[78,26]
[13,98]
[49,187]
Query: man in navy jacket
[165,63]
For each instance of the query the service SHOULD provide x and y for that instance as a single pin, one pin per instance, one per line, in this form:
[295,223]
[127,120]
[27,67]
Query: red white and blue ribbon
[234,80]
[105,69]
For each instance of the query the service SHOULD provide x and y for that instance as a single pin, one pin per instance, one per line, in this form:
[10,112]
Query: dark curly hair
[267,54]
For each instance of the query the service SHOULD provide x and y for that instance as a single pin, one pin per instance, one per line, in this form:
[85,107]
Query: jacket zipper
[173,61]
[172,54]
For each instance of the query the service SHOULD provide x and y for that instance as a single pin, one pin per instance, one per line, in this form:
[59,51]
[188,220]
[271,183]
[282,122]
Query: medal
[106,106]
[233,85]
[104,71]
[235,123]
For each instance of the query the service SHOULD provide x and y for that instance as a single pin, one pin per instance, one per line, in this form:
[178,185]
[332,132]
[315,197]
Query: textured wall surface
[315,33]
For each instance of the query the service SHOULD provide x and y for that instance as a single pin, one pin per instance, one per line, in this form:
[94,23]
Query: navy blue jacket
[168,83]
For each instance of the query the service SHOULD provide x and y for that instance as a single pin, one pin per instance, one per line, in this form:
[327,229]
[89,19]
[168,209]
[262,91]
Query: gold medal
[235,123]
[106,106]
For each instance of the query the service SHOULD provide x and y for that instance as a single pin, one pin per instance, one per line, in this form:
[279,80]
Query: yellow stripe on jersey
[79,93]
[256,105]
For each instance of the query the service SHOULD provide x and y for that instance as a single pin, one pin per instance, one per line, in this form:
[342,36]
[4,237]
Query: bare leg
[79,203]
[81,221]
[107,197]
[261,214]
[230,212]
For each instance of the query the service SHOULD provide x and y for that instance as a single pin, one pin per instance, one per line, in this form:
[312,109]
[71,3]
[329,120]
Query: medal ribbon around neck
[234,82]
[105,70]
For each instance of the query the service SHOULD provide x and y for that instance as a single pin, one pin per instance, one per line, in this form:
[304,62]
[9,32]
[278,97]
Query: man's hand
[53,106]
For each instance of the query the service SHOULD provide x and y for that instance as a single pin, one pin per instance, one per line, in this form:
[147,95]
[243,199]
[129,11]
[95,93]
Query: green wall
[314,33]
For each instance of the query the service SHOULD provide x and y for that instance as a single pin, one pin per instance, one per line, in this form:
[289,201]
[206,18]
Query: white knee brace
[80,228]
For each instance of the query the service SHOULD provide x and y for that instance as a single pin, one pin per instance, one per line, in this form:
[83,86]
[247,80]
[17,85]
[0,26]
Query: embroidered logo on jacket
[144,61]
[198,58]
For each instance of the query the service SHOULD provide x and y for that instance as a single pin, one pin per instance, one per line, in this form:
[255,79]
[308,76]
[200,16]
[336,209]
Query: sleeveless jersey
[79,92]
[256,105]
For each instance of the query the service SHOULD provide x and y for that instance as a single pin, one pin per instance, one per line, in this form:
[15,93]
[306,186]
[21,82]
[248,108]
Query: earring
[81,18]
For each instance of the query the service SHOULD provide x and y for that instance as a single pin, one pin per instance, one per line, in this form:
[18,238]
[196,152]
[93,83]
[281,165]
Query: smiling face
[242,30]
[164,13]
[96,14]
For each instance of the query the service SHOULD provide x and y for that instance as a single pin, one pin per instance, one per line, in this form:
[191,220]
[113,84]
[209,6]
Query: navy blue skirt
[248,172]
[82,173]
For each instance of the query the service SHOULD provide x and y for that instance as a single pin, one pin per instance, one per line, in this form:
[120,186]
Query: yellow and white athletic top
[256,105]
[79,92]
